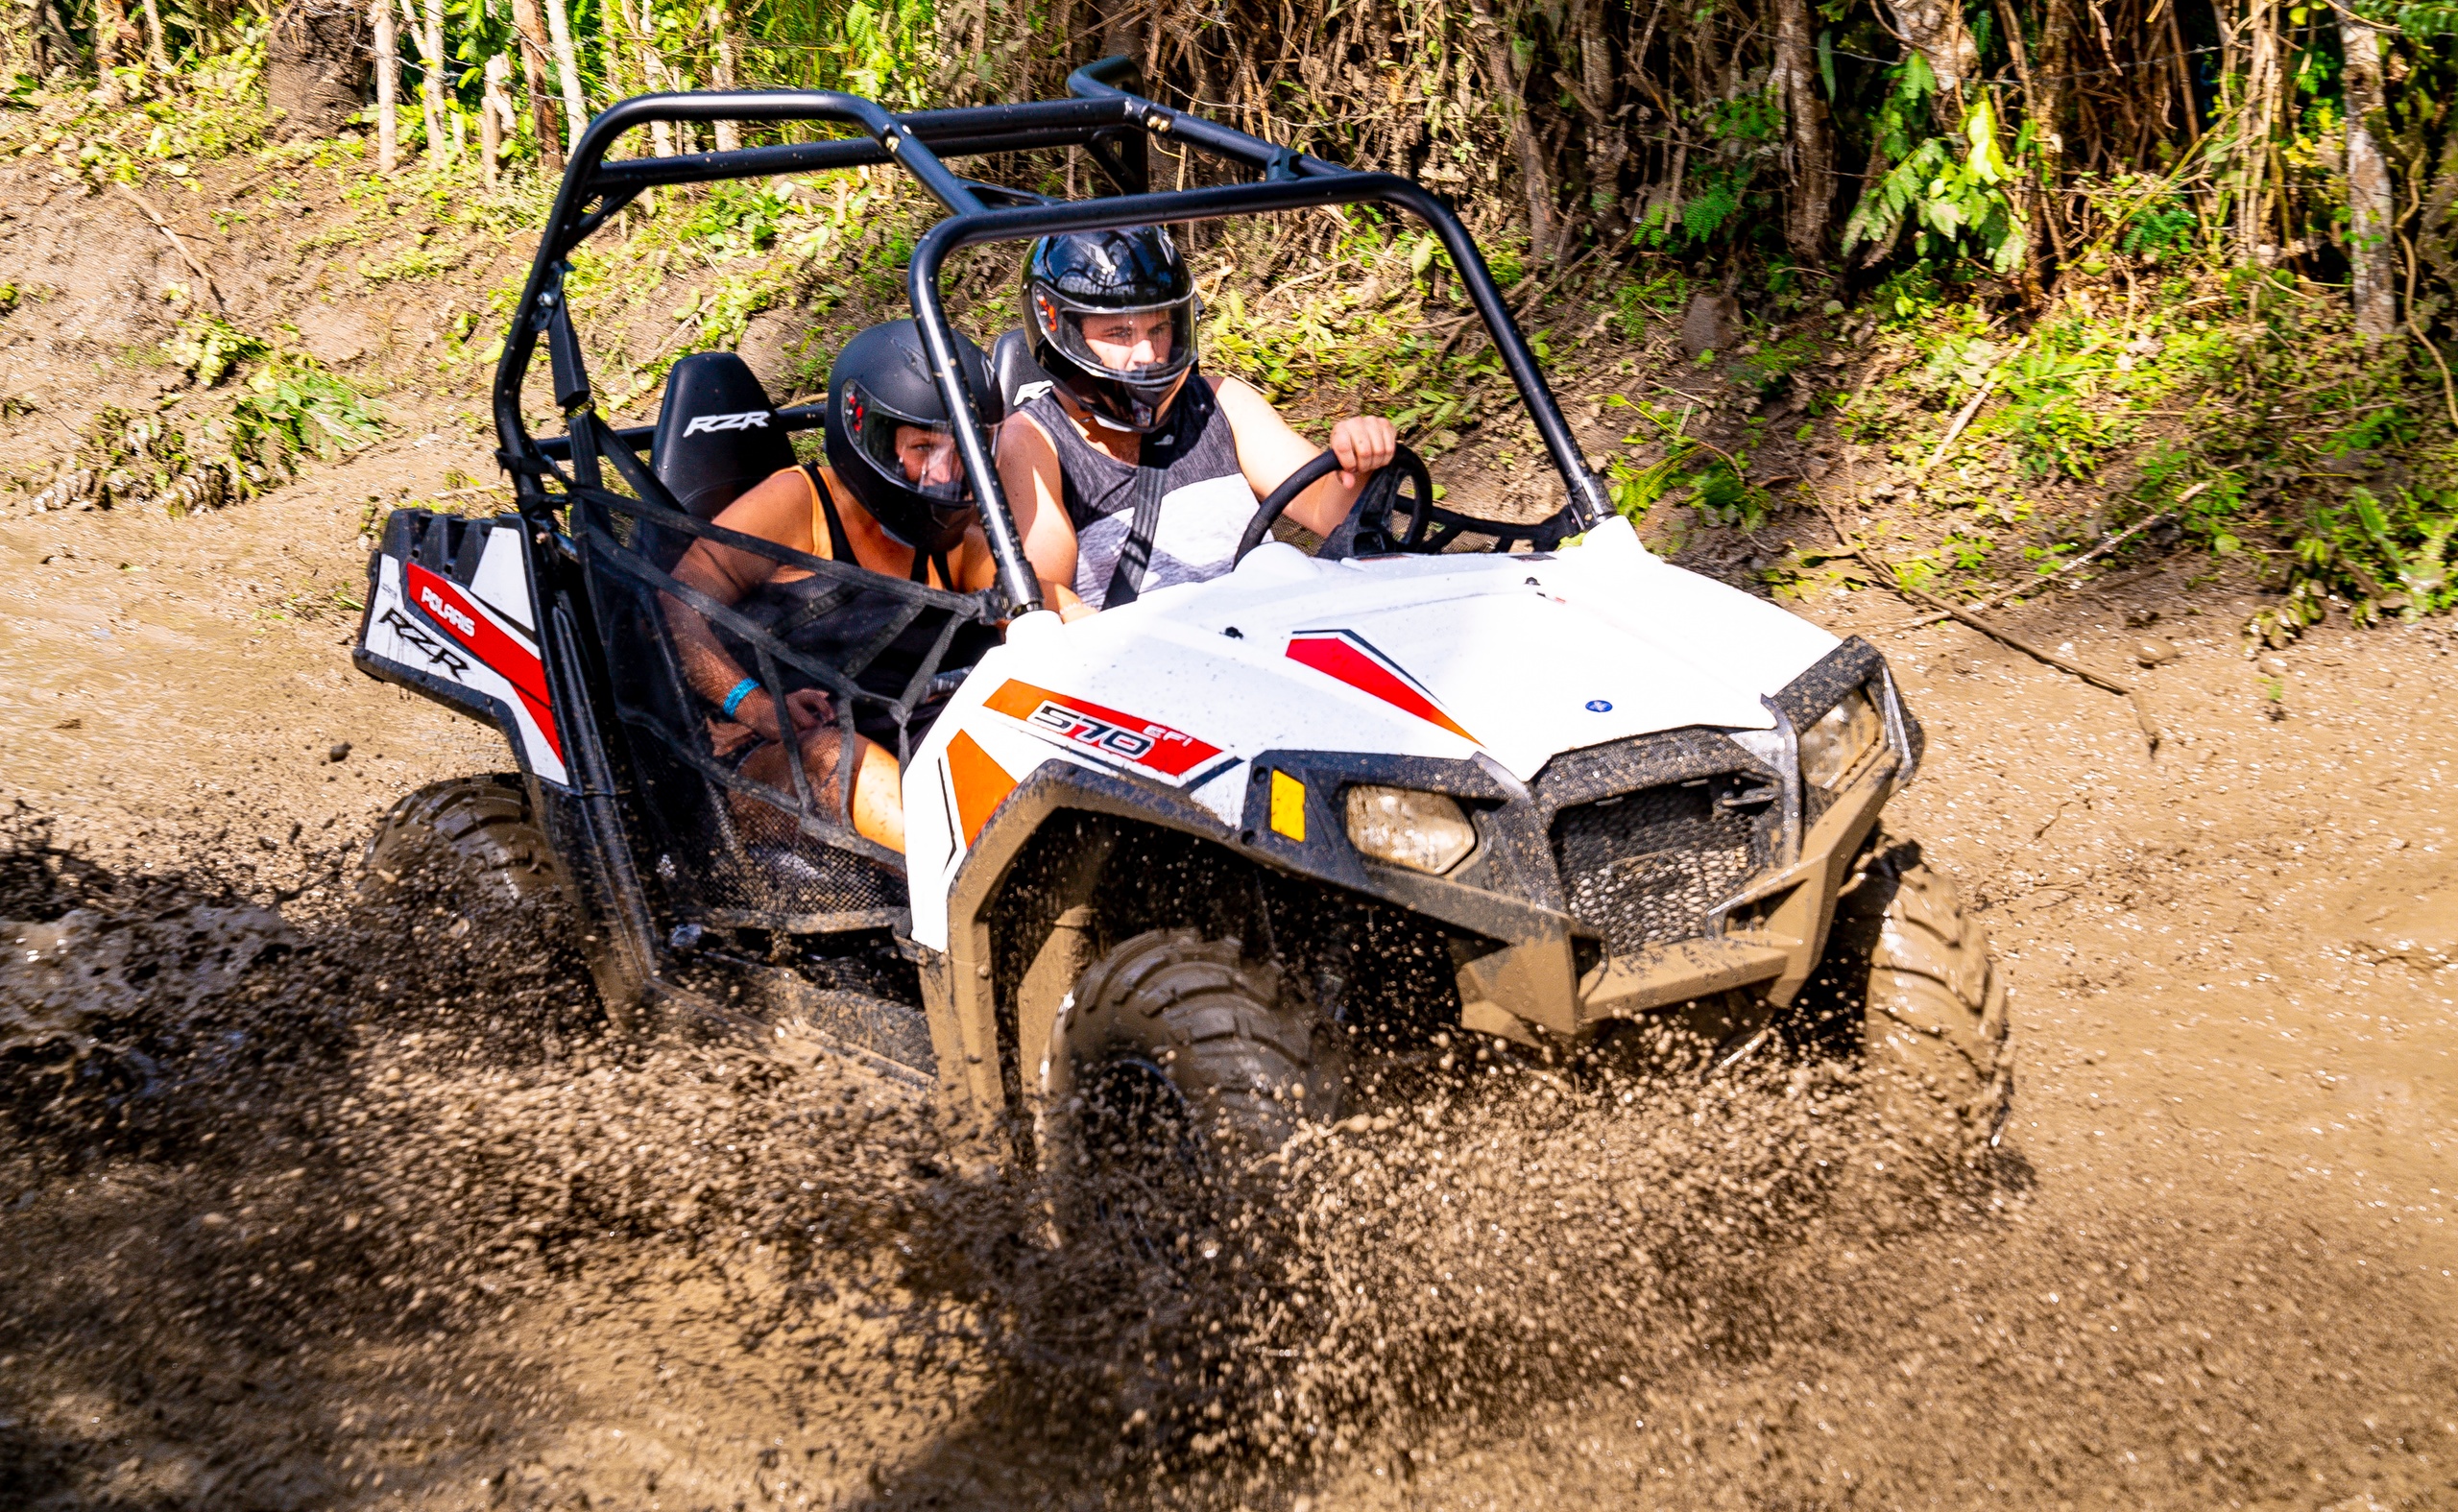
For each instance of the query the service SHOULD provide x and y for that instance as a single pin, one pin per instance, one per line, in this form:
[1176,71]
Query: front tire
[1171,1036]
[471,833]
[1936,1060]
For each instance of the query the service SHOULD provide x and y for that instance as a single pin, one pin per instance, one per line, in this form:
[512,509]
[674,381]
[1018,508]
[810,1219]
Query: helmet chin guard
[1121,279]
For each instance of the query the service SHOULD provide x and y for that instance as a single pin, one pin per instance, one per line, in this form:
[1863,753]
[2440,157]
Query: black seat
[1019,376]
[716,436]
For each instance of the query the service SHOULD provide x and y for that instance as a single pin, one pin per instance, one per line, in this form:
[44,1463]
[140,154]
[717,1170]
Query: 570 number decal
[1103,732]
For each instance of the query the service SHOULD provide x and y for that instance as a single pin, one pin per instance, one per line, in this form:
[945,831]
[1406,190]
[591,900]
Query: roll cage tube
[1341,187]
[1111,123]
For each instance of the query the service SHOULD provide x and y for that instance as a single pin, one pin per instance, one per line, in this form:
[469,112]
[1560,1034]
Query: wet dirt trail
[310,1203]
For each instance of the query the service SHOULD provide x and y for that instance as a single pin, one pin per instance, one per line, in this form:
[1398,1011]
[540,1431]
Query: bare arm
[777,510]
[1269,450]
[1028,472]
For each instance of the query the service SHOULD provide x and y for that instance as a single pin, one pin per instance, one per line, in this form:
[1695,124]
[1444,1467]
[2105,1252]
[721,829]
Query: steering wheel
[1366,532]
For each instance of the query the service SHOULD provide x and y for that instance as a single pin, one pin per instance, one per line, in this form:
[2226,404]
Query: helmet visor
[906,451]
[1146,346]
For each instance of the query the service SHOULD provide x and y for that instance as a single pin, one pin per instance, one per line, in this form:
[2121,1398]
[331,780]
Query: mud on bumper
[1533,945]
[1766,939]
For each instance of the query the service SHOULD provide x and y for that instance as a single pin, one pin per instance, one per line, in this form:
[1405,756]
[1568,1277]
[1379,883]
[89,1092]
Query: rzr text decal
[438,653]
[746,421]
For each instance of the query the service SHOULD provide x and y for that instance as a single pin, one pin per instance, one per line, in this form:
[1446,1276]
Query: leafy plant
[207,347]
[293,408]
[1948,196]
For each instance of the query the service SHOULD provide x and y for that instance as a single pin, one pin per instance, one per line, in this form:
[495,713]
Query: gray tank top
[1205,502]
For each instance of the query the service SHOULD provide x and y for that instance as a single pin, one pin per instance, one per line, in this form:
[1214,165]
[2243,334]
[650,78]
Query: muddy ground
[306,1202]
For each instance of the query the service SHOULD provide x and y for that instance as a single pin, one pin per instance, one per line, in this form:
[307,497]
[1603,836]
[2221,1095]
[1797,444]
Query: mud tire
[468,847]
[480,829]
[1173,1014]
[1936,1062]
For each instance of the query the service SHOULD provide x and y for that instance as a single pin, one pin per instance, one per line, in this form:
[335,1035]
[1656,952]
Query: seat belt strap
[1135,553]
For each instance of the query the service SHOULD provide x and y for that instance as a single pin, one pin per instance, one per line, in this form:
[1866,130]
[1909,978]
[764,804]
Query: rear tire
[1171,1036]
[1938,1066]
[478,828]
[464,863]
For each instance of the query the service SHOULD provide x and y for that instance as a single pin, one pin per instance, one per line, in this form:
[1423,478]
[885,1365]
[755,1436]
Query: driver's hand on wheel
[807,706]
[1363,444]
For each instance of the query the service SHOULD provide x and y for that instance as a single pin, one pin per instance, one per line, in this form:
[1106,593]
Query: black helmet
[880,391]
[1134,272]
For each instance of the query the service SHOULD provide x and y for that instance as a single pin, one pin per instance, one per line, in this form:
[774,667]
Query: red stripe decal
[1344,656]
[453,613]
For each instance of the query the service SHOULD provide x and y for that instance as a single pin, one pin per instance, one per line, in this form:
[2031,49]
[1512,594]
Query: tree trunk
[439,68]
[652,75]
[1936,31]
[158,53]
[1502,76]
[430,119]
[568,71]
[494,118]
[527,20]
[1811,200]
[2368,182]
[1608,140]
[2252,147]
[2045,96]
[729,133]
[388,88]
[110,19]
[1123,32]
[316,64]
[55,48]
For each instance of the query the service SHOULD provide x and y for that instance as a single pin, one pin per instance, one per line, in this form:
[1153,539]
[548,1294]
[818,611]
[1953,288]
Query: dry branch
[182,246]
[1886,573]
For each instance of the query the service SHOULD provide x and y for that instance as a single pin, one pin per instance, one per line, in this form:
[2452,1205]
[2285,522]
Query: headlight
[1423,831]
[1835,741]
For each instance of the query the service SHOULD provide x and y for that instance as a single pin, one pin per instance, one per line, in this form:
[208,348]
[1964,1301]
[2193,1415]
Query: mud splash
[348,1204]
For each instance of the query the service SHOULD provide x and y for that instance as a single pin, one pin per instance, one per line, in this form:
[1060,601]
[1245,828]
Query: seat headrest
[718,435]
[1018,375]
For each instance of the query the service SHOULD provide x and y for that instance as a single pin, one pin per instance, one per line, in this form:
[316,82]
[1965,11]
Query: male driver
[1135,470]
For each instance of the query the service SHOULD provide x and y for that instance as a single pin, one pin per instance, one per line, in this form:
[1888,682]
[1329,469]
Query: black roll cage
[1112,125]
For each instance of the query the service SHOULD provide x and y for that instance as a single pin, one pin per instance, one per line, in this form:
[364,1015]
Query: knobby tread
[483,823]
[1936,1028]
[1247,1057]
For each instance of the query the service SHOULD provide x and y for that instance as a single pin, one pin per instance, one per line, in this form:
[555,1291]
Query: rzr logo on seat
[742,421]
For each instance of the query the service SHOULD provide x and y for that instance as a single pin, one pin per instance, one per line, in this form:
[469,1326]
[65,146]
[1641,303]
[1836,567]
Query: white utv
[1210,847]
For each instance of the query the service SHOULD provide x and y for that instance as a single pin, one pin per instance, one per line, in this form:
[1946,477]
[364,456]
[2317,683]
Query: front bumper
[1768,940]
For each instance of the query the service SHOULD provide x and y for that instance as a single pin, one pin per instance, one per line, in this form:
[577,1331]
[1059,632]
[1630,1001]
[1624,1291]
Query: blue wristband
[740,691]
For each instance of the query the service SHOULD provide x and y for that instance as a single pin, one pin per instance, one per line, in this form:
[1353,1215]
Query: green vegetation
[2050,280]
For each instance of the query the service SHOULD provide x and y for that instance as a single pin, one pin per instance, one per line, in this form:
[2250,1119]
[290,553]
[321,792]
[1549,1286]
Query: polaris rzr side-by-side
[1214,846]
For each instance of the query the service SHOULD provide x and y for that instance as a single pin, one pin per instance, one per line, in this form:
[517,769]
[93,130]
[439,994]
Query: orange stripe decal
[981,783]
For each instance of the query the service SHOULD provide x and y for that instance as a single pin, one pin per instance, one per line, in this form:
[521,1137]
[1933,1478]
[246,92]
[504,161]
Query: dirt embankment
[310,1203]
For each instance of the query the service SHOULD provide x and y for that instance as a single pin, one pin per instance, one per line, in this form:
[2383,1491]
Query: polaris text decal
[503,651]
[746,421]
[1102,733]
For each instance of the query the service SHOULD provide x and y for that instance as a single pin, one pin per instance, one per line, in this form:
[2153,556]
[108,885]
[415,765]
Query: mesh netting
[740,832]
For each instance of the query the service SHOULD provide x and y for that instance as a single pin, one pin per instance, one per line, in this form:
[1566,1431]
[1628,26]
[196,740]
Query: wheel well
[1087,882]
